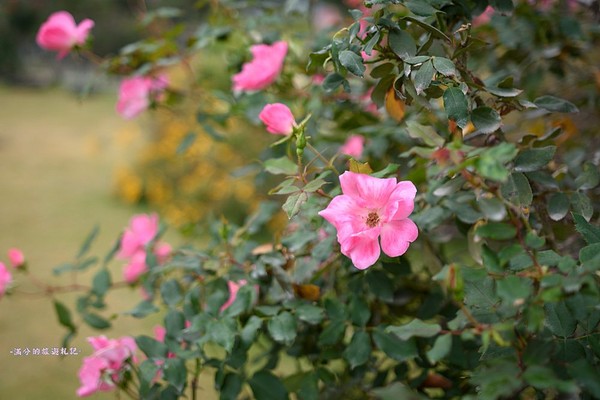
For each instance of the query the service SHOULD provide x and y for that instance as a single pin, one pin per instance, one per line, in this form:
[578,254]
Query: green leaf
[397,391]
[428,27]
[496,231]
[310,314]
[222,332]
[444,66]
[143,309]
[87,243]
[424,76]
[333,81]
[359,311]
[486,119]
[96,321]
[171,292]
[590,233]
[559,319]
[534,159]
[353,62]
[282,328]
[589,177]
[393,347]
[456,106]
[151,347]
[582,205]
[281,166]
[250,330]
[402,43]
[513,290]
[186,142]
[491,163]
[293,203]
[416,327]
[231,386]
[175,373]
[589,256]
[101,282]
[64,316]
[558,206]
[441,348]
[517,190]
[148,370]
[358,351]
[332,333]
[314,185]
[382,70]
[426,133]
[267,386]
[503,92]
[421,8]
[586,374]
[555,104]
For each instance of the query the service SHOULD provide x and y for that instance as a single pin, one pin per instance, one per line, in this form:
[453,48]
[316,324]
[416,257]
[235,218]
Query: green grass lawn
[57,155]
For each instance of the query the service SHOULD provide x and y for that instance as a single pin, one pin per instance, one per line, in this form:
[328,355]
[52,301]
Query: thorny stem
[320,156]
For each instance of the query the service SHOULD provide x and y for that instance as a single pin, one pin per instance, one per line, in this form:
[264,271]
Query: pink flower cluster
[61,33]
[17,260]
[105,366]
[141,231]
[368,209]
[263,70]
[136,94]
[278,118]
[353,146]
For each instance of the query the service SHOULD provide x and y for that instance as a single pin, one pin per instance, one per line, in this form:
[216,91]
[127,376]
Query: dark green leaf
[353,62]
[394,347]
[590,233]
[87,243]
[333,81]
[96,321]
[416,327]
[426,133]
[513,290]
[359,311]
[589,256]
[151,347]
[186,142]
[64,316]
[281,166]
[143,309]
[250,330]
[402,43]
[582,205]
[293,203]
[148,370]
[586,374]
[309,313]
[589,177]
[358,351]
[559,319]
[555,104]
[332,333]
[440,349]
[282,328]
[486,119]
[497,231]
[382,70]
[424,76]
[397,391]
[517,190]
[421,8]
[534,159]
[175,373]
[558,206]
[171,292]
[231,386]
[267,386]
[456,106]
[491,163]
[101,282]
[222,332]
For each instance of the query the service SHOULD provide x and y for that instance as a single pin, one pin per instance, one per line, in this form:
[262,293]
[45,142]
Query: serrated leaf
[559,319]
[486,119]
[314,185]
[424,76]
[558,206]
[417,328]
[582,205]
[293,203]
[590,233]
[353,62]
[534,159]
[282,328]
[281,166]
[402,43]
[310,314]
[456,106]
[359,167]
[589,177]
[555,104]
[358,351]
[175,373]
[517,190]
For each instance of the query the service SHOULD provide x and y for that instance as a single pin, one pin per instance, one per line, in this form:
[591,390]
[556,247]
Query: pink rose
[483,18]
[137,93]
[141,230]
[61,33]
[263,70]
[354,146]
[16,258]
[135,268]
[370,208]
[326,16]
[234,287]
[5,278]
[101,370]
[278,118]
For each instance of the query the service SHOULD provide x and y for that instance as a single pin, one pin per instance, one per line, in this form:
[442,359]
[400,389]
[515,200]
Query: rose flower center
[372,219]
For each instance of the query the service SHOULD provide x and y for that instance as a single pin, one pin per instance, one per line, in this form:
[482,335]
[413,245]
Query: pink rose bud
[278,118]
[137,93]
[263,70]
[5,278]
[483,18]
[16,257]
[353,146]
[61,33]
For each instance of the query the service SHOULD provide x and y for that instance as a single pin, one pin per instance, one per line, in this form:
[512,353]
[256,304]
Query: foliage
[497,298]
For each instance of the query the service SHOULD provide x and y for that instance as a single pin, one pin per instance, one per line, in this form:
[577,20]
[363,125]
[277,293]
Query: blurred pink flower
[263,70]
[483,18]
[61,33]
[162,251]
[326,16]
[101,370]
[137,93]
[141,230]
[353,146]
[234,287]
[16,257]
[369,208]
[135,268]
[5,278]
[278,118]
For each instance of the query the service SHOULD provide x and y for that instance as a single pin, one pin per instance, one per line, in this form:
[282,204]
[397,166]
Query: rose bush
[477,185]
